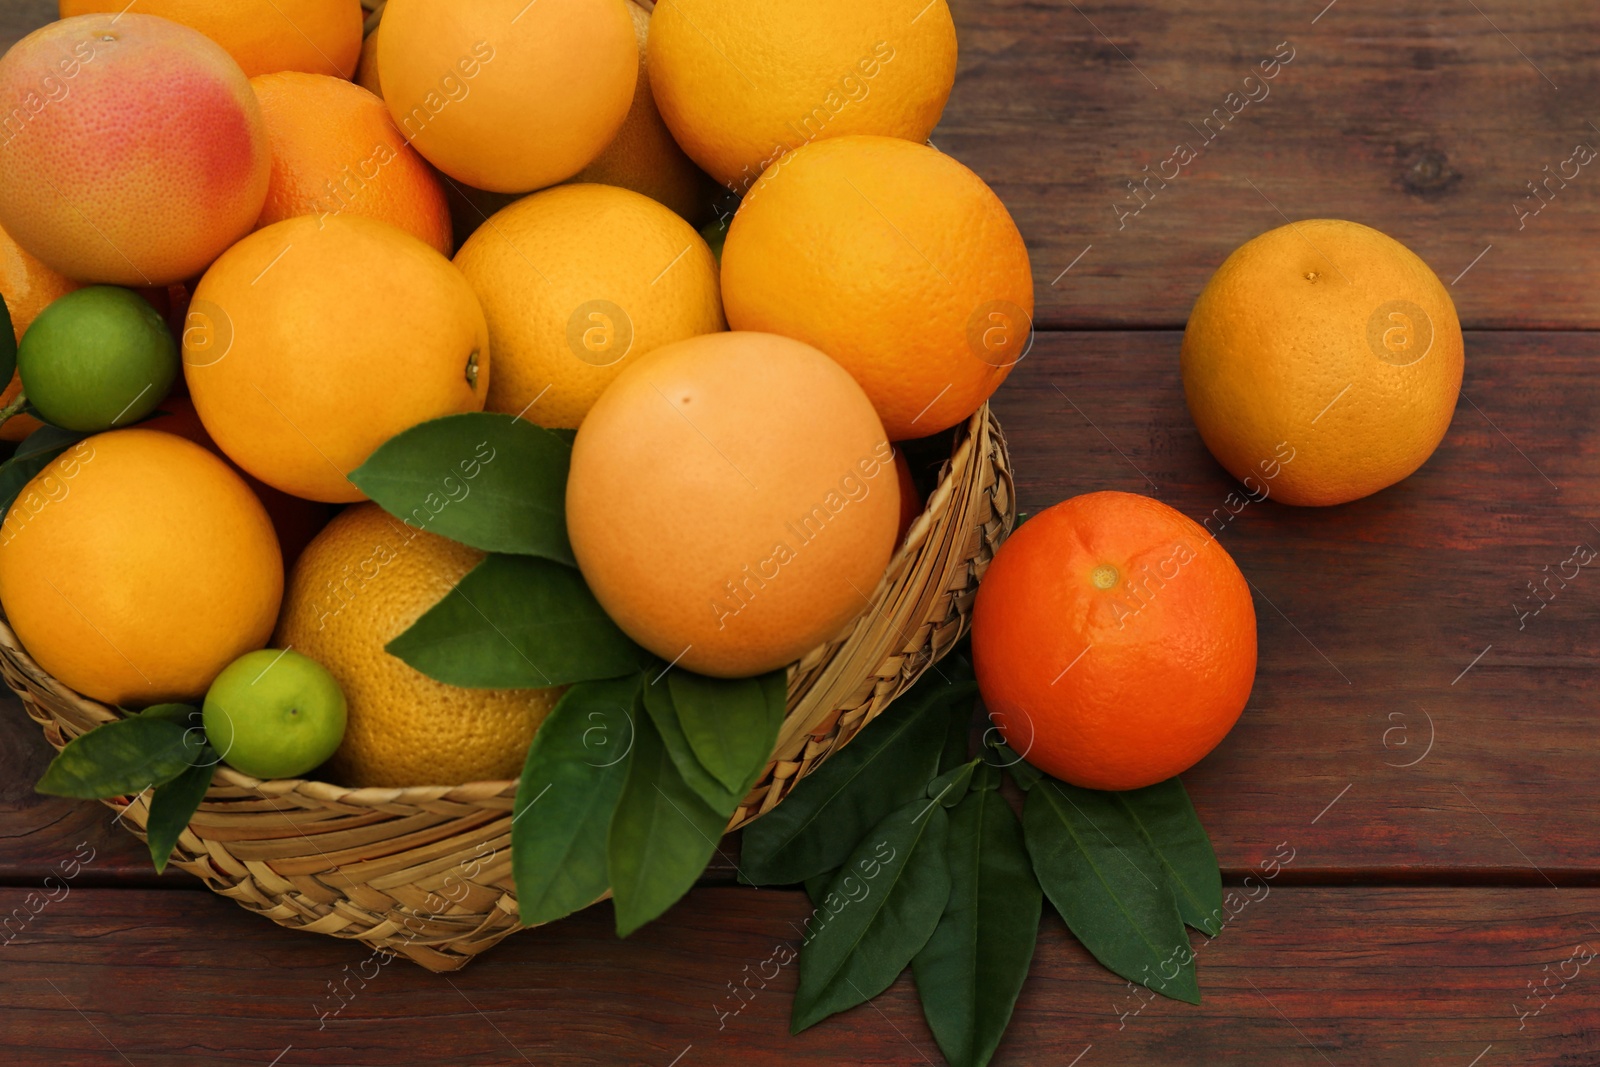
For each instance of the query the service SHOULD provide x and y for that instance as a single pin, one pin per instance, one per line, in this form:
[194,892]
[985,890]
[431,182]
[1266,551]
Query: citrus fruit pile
[407,356]
[518,390]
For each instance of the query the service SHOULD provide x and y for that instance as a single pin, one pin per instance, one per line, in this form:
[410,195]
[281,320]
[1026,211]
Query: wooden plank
[1369,616]
[40,833]
[1397,976]
[18,18]
[1426,120]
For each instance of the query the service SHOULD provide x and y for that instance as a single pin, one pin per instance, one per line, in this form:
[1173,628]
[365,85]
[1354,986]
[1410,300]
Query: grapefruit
[134,151]
[733,502]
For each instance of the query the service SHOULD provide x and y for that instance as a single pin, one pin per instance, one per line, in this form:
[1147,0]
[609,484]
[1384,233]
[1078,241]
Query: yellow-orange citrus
[895,260]
[146,160]
[740,84]
[136,566]
[1114,641]
[28,287]
[367,68]
[643,156]
[1331,344]
[364,580]
[263,36]
[506,95]
[578,282]
[335,149]
[733,501]
[310,343]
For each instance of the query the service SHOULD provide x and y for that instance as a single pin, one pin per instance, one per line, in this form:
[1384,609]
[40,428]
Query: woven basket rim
[329,793]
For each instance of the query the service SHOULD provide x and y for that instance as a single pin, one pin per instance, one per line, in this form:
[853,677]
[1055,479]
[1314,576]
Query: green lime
[274,714]
[97,358]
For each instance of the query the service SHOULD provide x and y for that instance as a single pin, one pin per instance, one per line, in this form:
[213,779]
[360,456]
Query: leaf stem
[14,408]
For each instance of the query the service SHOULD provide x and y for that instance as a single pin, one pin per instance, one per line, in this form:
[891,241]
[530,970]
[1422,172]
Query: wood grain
[1300,976]
[1424,120]
[1369,614]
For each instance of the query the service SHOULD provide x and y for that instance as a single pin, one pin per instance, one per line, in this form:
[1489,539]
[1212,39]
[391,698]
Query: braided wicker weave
[425,872]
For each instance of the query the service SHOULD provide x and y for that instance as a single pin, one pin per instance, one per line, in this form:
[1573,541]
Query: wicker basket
[425,872]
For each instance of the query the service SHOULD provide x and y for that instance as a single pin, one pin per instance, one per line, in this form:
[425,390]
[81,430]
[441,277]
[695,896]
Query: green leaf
[972,968]
[886,765]
[817,885]
[1022,772]
[173,804]
[495,482]
[659,705]
[8,344]
[662,834]
[727,722]
[36,452]
[956,741]
[1109,887]
[951,786]
[124,757]
[1171,830]
[518,622]
[879,911]
[570,785]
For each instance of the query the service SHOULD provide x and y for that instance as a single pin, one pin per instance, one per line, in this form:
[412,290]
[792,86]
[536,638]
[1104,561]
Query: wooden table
[1425,749]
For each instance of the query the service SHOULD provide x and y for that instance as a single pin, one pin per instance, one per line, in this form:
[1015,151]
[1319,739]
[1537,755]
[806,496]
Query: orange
[643,156]
[1332,344]
[312,342]
[895,260]
[367,68]
[28,287]
[133,150]
[740,84]
[579,282]
[508,95]
[1114,641]
[294,520]
[335,149]
[263,36]
[363,582]
[732,502]
[136,566]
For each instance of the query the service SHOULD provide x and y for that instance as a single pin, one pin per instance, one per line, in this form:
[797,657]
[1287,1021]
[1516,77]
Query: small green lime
[97,358]
[274,714]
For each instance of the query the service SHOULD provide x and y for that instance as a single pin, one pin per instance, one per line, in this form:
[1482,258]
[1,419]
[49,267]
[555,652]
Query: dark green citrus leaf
[726,721]
[886,765]
[1110,888]
[495,482]
[8,343]
[951,786]
[662,834]
[518,622]
[1022,772]
[124,758]
[878,912]
[36,452]
[972,968]
[174,803]
[569,788]
[1172,831]
[817,886]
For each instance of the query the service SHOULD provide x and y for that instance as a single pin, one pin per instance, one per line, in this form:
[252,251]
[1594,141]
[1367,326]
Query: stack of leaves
[913,857]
